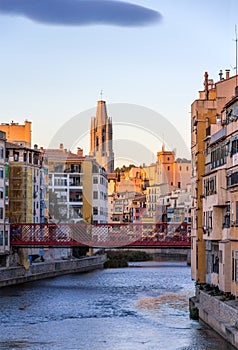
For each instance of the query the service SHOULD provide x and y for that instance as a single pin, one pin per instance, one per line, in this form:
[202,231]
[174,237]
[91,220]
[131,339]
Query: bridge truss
[100,235]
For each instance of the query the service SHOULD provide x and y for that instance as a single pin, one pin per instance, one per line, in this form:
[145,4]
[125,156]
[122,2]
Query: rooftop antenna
[101,93]
[163,146]
[236,51]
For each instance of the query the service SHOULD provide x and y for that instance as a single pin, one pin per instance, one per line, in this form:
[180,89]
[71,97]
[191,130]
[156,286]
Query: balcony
[218,135]
[216,196]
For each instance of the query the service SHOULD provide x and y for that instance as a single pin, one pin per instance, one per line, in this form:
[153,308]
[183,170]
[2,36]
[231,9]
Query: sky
[148,57]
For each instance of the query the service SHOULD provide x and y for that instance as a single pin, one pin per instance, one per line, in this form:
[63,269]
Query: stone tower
[101,138]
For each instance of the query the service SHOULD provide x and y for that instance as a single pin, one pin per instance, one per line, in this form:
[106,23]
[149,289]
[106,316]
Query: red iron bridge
[162,235]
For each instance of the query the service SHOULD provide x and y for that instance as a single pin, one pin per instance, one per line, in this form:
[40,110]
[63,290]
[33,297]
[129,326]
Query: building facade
[220,200]
[77,187]
[209,189]
[24,173]
[175,173]
[4,223]
[18,133]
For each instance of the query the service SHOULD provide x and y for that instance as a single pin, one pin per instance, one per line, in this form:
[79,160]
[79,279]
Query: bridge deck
[99,236]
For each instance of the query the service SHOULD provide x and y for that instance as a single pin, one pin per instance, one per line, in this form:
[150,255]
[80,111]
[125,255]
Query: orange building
[175,173]
[20,134]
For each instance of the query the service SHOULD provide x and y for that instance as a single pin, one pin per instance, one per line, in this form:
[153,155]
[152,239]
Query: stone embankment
[16,275]
[220,314]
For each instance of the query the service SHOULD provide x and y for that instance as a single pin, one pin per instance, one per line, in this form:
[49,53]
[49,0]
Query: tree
[54,212]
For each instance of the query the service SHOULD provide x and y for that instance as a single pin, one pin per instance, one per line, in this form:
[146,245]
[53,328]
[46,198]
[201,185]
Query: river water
[144,307]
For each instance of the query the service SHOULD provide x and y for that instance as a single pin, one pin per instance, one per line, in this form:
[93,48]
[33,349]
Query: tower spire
[101,138]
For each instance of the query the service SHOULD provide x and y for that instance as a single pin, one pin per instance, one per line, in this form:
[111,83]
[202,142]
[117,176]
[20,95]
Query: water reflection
[141,307]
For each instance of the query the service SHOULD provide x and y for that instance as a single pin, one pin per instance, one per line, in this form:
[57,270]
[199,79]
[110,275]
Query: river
[144,307]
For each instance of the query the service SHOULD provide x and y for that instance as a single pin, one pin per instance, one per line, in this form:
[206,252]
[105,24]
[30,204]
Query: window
[1,192]
[16,156]
[210,219]
[209,186]
[95,211]
[232,179]
[234,266]
[232,213]
[218,156]
[118,209]
[1,152]
[207,219]
[1,172]
[234,147]
[168,168]
[215,264]
[1,213]
[35,159]
[226,223]
[1,237]
[6,237]
[95,194]
[236,212]
[95,180]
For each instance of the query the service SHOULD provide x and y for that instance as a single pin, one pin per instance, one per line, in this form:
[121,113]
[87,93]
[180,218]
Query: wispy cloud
[81,12]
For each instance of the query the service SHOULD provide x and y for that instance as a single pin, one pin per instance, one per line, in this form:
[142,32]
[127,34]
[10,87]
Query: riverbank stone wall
[16,275]
[222,316]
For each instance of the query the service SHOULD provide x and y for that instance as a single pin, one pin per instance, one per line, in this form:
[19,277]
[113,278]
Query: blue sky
[52,71]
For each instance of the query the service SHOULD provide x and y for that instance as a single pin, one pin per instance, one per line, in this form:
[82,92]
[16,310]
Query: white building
[4,226]
[78,188]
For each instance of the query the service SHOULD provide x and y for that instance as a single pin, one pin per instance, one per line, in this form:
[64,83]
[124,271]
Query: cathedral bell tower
[101,138]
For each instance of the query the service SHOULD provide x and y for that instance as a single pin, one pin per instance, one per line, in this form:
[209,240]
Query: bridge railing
[98,235]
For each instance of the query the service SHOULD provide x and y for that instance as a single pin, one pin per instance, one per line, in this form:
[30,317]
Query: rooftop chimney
[79,151]
[61,147]
[206,85]
[227,73]
[221,75]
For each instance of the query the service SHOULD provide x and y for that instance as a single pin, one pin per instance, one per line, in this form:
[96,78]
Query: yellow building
[205,112]
[24,166]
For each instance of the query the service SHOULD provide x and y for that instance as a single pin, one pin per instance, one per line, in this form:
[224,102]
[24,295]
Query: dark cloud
[81,12]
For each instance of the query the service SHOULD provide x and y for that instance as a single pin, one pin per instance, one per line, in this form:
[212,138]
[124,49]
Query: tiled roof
[62,154]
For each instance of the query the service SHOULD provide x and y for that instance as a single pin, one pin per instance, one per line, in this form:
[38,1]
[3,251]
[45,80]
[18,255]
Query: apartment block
[24,173]
[78,187]
[211,197]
